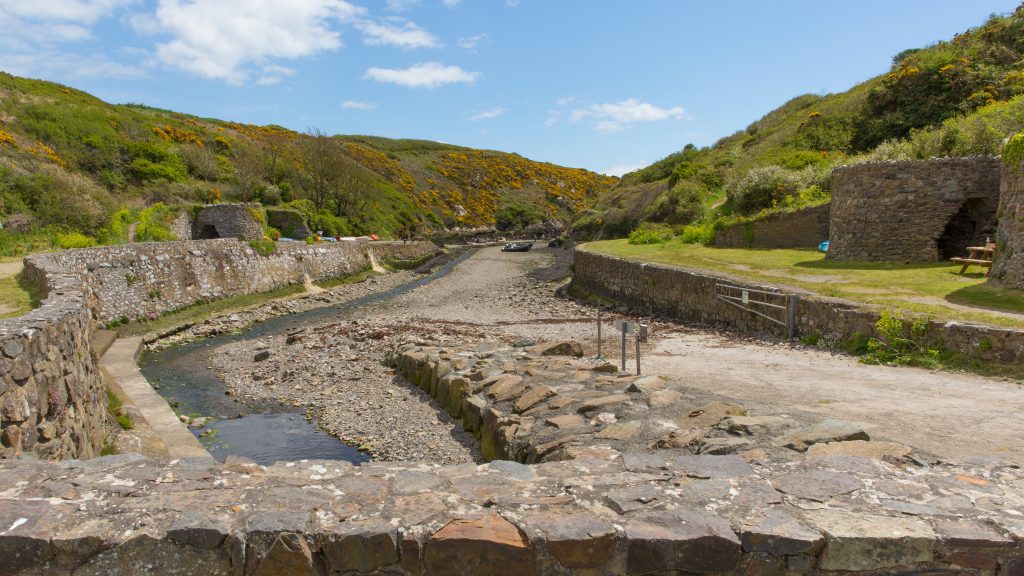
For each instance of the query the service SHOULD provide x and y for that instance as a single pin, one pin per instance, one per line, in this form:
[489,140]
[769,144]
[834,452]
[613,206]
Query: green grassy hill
[954,98]
[75,170]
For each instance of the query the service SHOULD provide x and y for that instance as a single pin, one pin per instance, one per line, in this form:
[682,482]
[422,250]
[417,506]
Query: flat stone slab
[873,449]
[822,432]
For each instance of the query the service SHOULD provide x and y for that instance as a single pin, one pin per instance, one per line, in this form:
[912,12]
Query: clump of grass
[115,406]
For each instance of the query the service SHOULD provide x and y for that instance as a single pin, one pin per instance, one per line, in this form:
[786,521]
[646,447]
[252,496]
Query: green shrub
[1013,152]
[699,233]
[764,186]
[650,233]
[683,204]
[517,217]
[896,344]
[67,240]
[154,224]
[263,247]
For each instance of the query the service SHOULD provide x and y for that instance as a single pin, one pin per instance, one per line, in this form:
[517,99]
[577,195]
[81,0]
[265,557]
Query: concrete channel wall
[52,398]
[689,295]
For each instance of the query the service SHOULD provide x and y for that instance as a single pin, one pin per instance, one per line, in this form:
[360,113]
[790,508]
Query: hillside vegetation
[75,171]
[954,98]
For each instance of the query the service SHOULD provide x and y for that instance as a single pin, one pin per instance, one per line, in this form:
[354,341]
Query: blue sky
[600,84]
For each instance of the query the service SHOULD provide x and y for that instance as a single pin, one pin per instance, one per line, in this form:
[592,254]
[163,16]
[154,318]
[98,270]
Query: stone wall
[1008,267]
[141,280]
[635,514]
[913,211]
[689,295]
[290,222]
[52,400]
[227,221]
[804,228]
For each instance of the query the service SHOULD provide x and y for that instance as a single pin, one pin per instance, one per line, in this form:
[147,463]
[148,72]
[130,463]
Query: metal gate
[775,307]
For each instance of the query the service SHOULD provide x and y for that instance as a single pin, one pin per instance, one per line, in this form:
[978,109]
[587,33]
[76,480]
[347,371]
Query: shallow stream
[263,432]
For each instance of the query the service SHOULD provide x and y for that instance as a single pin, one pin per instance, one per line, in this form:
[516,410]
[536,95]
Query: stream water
[263,432]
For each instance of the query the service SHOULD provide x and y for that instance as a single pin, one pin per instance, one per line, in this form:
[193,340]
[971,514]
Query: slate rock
[723,445]
[660,398]
[863,542]
[817,485]
[709,414]
[776,533]
[603,401]
[825,431]
[488,546]
[685,540]
[863,448]
[581,542]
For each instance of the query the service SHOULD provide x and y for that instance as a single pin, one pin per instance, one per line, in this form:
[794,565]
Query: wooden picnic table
[978,256]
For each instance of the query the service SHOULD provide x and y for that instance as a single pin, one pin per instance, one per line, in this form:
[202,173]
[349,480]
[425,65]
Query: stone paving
[603,498]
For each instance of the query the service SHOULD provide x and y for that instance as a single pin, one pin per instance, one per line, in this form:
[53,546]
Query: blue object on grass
[823,247]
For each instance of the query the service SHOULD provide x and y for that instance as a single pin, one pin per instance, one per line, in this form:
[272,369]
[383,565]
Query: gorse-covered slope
[77,168]
[954,98]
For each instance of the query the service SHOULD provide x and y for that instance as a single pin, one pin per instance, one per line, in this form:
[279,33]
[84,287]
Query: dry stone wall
[136,281]
[689,295]
[913,211]
[805,228]
[227,221]
[52,400]
[1008,267]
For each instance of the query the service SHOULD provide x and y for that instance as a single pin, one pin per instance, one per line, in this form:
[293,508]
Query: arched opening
[968,227]
[207,232]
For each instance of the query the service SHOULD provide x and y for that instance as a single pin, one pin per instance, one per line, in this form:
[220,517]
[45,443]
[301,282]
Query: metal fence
[776,307]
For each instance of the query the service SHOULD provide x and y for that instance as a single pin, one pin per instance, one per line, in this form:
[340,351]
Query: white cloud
[621,115]
[450,3]
[425,75]
[226,40]
[620,169]
[81,11]
[565,101]
[407,36]
[512,3]
[487,114]
[401,5]
[33,31]
[357,105]
[470,42]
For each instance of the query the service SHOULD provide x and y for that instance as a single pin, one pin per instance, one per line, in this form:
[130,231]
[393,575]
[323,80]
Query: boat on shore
[517,247]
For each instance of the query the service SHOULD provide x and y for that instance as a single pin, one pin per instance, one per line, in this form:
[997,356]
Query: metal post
[599,332]
[624,325]
[638,351]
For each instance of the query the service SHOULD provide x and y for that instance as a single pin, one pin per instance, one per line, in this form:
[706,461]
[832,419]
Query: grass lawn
[15,299]
[932,288]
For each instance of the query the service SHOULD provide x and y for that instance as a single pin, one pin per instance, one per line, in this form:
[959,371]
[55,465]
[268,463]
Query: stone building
[913,211]
[227,221]
[1008,267]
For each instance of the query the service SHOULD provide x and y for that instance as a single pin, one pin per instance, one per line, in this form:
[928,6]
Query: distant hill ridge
[76,170]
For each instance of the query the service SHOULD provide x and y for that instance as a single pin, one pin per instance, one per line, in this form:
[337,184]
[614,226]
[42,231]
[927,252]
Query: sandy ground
[511,295]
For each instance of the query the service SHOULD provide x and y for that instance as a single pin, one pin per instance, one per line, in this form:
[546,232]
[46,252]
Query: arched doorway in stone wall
[968,227]
[207,232]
